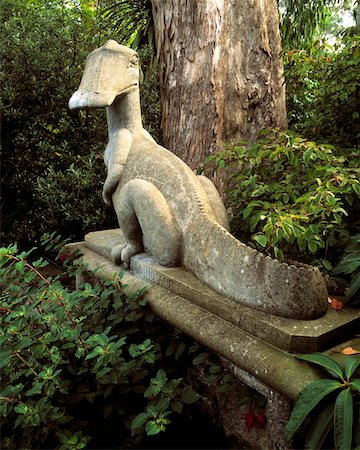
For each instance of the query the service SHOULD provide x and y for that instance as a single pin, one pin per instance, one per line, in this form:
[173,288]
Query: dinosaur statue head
[110,70]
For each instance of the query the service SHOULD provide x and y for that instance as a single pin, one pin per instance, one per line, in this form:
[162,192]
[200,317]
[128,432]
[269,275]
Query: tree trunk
[221,73]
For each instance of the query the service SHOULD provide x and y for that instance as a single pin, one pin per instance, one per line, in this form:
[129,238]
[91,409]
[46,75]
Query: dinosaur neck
[125,112]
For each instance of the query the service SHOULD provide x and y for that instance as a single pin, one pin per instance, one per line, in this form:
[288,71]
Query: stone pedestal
[257,345]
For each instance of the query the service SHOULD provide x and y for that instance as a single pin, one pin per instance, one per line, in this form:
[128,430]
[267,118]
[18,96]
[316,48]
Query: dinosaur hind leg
[147,221]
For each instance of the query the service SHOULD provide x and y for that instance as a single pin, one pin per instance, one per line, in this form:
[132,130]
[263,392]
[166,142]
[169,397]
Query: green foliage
[71,196]
[323,88]
[52,168]
[332,404]
[350,265]
[132,22]
[303,22]
[43,47]
[289,196]
[77,360]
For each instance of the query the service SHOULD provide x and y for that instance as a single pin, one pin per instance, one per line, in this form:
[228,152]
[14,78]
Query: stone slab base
[219,324]
[301,336]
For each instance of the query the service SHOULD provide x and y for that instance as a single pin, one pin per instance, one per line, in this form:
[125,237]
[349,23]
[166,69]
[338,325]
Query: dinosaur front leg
[147,222]
[115,156]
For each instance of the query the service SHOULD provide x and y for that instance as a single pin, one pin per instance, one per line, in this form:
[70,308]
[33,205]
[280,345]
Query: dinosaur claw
[116,253]
[122,253]
[107,198]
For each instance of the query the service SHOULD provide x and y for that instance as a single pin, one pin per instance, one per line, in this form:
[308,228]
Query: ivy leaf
[309,397]
[343,420]
[324,361]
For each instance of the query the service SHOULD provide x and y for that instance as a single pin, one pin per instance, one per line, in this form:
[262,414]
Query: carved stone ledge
[299,336]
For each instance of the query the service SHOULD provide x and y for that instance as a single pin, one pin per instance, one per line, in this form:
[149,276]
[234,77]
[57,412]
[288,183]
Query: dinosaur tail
[251,278]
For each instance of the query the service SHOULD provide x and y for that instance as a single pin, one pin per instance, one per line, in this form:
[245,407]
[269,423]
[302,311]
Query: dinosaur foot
[122,253]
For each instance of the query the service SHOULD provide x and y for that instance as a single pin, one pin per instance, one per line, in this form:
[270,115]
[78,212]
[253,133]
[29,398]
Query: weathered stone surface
[265,362]
[175,216]
[289,334]
[227,411]
[273,373]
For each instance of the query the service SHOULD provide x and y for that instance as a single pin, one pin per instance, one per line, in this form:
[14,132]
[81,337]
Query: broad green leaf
[22,408]
[320,428]
[25,342]
[162,404]
[93,354]
[353,286]
[176,406]
[188,395]
[355,385]
[138,422]
[202,357]
[343,420]
[4,358]
[352,363]
[356,188]
[312,246]
[261,239]
[278,254]
[309,397]
[36,389]
[152,428]
[161,376]
[324,361]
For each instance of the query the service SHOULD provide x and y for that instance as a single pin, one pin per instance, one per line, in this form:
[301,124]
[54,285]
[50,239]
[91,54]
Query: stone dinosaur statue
[174,215]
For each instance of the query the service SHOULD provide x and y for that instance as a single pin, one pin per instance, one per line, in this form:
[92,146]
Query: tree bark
[221,73]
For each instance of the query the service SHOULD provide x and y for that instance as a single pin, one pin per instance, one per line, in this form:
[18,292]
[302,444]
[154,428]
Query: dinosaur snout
[84,99]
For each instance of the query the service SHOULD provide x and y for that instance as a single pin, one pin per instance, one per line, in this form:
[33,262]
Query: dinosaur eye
[134,61]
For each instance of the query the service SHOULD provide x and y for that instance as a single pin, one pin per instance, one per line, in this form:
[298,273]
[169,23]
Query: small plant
[74,361]
[332,403]
[350,265]
[289,196]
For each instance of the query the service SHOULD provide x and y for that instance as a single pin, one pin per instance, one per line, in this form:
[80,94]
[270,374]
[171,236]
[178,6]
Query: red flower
[62,258]
[249,419]
[260,420]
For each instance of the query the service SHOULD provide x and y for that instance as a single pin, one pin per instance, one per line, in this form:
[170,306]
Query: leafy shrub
[44,45]
[74,361]
[70,197]
[336,414]
[323,92]
[350,265]
[289,196]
